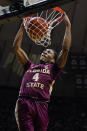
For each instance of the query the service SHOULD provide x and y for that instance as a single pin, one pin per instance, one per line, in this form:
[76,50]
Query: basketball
[37,28]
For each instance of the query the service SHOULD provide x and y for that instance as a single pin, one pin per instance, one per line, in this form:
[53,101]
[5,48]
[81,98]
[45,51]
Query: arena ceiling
[11,71]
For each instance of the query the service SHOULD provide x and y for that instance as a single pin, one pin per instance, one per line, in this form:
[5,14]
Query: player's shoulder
[55,66]
[28,64]
[51,66]
[55,70]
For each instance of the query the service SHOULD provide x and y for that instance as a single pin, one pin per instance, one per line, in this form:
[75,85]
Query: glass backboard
[32,2]
[18,11]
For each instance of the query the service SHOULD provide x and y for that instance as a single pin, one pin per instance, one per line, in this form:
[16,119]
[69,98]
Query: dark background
[67,108]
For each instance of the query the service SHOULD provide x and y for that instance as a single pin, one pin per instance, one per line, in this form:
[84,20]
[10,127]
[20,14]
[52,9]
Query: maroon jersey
[38,80]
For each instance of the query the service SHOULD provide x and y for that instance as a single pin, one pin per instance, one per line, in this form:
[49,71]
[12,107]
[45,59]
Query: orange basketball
[37,28]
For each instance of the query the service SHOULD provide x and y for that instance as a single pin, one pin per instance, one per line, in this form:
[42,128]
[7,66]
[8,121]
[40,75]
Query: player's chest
[38,73]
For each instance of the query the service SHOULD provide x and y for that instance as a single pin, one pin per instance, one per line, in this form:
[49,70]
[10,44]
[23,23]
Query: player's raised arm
[20,54]
[62,58]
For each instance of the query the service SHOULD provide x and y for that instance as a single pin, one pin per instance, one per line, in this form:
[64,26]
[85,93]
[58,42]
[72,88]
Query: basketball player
[31,107]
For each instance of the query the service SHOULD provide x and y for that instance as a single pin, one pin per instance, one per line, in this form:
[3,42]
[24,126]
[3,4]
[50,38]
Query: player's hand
[66,20]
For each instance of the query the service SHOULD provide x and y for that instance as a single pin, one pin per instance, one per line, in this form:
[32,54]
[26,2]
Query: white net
[39,26]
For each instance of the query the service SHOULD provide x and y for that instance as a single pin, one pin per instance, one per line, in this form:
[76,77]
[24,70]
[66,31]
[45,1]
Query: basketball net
[53,17]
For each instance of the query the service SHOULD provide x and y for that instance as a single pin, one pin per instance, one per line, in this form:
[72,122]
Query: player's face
[47,56]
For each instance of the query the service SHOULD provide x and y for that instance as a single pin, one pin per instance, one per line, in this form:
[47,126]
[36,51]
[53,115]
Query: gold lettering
[35,84]
[27,84]
[42,86]
[38,84]
[48,71]
[41,70]
[44,70]
[32,84]
[38,70]
[28,70]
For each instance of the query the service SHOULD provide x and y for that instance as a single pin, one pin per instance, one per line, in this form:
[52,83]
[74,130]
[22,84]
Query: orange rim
[62,14]
[58,9]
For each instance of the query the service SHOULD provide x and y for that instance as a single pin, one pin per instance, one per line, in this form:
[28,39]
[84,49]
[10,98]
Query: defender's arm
[20,54]
[62,58]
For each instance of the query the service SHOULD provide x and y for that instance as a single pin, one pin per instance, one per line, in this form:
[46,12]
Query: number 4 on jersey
[36,77]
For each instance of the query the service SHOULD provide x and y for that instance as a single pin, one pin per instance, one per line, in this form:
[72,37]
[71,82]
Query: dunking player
[31,107]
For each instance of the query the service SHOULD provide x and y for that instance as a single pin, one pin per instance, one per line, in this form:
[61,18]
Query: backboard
[23,8]
[32,2]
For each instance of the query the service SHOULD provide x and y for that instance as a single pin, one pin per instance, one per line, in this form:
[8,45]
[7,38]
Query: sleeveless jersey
[38,80]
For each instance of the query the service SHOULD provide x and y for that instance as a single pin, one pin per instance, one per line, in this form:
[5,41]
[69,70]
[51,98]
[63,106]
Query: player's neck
[43,62]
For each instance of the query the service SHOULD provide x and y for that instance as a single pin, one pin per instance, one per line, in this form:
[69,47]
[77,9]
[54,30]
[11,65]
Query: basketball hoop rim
[55,18]
[55,21]
[61,17]
[58,9]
